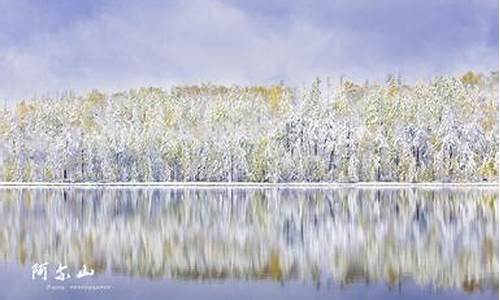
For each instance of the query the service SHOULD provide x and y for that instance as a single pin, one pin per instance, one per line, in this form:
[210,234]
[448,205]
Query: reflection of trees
[439,237]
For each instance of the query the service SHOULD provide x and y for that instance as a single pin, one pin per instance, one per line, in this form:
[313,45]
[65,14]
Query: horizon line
[252,185]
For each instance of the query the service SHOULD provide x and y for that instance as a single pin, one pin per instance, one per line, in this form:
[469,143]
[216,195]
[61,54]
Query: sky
[50,46]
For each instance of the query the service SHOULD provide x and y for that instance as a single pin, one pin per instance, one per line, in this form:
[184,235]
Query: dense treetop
[443,130]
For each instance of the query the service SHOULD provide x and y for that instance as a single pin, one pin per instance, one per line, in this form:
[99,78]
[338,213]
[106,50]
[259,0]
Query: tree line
[441,130]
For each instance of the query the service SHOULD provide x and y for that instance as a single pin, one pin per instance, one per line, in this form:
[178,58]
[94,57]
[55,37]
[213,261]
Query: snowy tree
[445,129]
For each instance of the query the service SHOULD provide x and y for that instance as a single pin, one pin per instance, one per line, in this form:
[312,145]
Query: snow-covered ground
[250,185]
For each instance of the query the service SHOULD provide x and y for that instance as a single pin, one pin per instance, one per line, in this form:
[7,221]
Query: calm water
[227,243]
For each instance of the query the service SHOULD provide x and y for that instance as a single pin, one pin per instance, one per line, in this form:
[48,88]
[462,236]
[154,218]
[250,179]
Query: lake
[248,243]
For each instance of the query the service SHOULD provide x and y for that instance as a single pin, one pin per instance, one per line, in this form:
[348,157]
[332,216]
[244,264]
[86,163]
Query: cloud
[121,44]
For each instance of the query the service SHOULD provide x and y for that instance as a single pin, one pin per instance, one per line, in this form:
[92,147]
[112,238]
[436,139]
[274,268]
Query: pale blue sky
[48,45]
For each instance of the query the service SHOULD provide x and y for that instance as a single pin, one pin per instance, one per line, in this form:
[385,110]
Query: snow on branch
[445,130]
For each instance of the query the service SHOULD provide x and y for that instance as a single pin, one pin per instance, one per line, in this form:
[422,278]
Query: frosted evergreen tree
[442,130]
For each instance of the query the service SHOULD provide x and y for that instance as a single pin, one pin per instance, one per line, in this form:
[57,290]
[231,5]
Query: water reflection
[443,238]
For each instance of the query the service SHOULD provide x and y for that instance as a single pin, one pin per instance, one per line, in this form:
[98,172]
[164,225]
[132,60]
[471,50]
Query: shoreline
[251,185]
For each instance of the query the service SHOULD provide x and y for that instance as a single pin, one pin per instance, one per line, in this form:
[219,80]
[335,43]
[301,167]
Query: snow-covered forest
[442,130]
